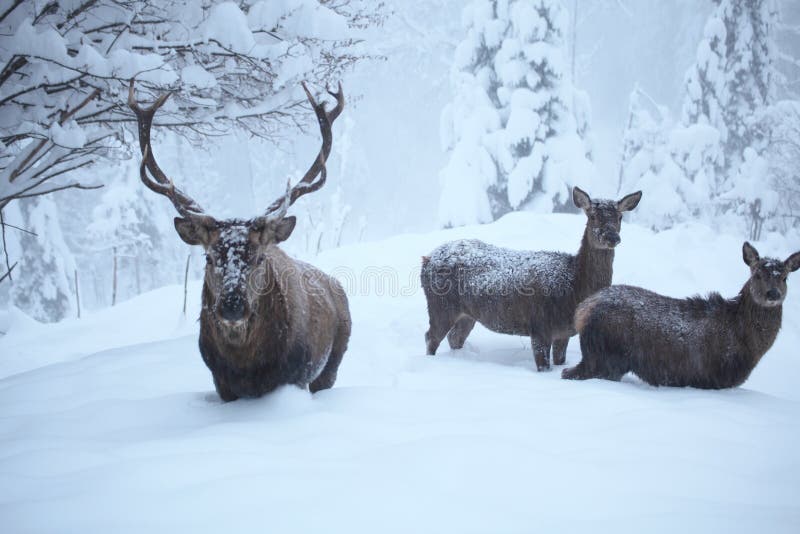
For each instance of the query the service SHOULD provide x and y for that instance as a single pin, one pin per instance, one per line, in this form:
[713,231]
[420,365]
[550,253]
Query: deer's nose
[612,238]
[773,294]
[232,307]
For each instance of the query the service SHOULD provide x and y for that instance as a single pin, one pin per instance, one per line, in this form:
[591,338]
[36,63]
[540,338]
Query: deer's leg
[223,390]
[560,351]
[541,353]
[442,319]
[327,377]
[585,368]
[597,362]
[578,372]
[458,334]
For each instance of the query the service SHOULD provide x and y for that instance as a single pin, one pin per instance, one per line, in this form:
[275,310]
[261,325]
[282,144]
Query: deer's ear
[793,262]
[750,254]
[284,228]
[629,202]
[190,233]
[581,198]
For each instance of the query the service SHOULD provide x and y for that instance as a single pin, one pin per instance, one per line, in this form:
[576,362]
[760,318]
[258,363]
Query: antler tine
[162,185]
[184,205]
[309,182]
[339,96]
[281,210]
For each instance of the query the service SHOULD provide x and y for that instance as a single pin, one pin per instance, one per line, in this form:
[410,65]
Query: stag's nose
[773,294]
[613,239]
[232,307]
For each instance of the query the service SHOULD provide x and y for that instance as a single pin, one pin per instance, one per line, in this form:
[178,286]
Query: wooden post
[186,283]
[114,280]
[77,294]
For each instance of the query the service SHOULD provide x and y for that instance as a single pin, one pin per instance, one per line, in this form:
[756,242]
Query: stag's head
[604,217]
[768,275]
[237,251]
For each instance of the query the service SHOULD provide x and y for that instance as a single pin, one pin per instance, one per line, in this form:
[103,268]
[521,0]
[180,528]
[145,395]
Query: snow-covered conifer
[516,130]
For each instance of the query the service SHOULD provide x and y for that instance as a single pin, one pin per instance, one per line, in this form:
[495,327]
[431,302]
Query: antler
[307,184]
[162,185]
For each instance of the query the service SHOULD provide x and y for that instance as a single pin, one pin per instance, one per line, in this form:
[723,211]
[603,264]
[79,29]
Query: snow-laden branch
[65,67]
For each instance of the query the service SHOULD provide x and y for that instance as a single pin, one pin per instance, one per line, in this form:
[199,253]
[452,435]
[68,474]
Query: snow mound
[111,422]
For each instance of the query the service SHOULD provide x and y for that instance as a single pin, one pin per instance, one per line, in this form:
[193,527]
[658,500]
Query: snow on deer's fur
[521,292]
[267,319]
[708,343]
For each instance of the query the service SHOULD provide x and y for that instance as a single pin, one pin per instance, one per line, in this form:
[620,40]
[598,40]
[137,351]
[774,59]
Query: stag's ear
[580,198]
[191,233]
[750,254]
[629,202]
[284,228]
[793,262]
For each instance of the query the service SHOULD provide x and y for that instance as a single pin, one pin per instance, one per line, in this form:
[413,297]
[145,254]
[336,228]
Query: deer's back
[680,342]
[509,291]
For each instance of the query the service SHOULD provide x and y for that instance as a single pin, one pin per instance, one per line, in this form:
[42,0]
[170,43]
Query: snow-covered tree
[669,161]
[516,129]
[231,66]
[778,126]
[41,285]
[128,224]
[733,78]
[716,165]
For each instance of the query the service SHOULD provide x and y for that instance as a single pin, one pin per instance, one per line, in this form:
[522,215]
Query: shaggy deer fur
[521,293]
[709,343]
[267,319]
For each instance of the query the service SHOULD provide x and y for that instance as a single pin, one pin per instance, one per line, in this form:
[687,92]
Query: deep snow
[111,424]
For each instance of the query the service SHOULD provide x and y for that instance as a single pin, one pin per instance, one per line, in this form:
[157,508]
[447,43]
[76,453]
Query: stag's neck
[758,325]
[593,268]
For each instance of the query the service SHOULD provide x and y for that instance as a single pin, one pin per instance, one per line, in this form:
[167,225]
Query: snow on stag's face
[604,217]
[236,257]
[768,276]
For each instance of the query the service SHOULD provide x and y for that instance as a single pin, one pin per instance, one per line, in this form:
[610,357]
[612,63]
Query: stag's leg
[560,351]
[327,377]
[223,390]
[541,353]
[458,334]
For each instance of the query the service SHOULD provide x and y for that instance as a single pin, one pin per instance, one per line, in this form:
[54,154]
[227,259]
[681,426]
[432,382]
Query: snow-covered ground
[110,423]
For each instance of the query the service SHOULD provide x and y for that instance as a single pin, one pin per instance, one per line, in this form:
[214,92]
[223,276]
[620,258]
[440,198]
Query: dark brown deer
[267,319]
[708,343]
[520,292]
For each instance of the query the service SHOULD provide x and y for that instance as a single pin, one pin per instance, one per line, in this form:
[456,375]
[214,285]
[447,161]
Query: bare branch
[8,273]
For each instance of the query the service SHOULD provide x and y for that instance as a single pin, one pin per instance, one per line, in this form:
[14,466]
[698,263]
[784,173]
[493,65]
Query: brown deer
[520,292]
[267,320]
[708,343]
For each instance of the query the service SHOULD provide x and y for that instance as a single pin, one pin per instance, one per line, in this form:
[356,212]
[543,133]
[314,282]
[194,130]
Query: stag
[267,319]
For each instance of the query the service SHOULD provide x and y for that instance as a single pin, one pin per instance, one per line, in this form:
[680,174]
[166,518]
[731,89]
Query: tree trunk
[114,280]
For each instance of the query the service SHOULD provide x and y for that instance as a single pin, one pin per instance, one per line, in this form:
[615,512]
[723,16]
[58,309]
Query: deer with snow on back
[267,320]
[521,292]
[708,343]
